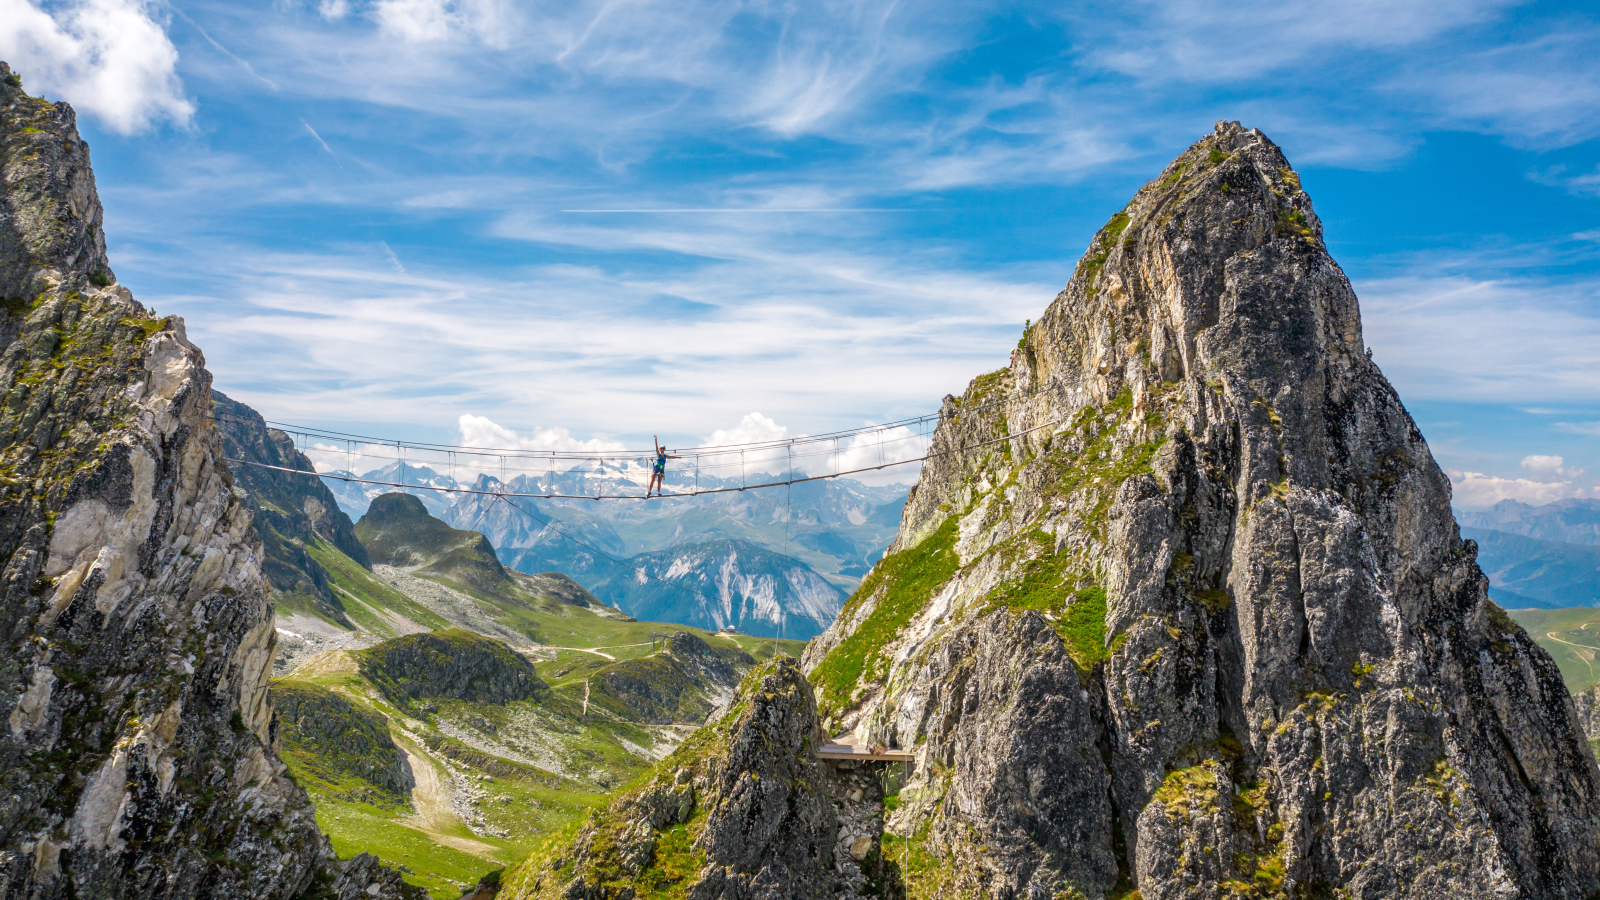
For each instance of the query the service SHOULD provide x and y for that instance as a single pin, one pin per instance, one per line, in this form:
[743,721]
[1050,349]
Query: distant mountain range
[725,582]
[1538,557]
[1564,521]
[1527,573]
[837,527]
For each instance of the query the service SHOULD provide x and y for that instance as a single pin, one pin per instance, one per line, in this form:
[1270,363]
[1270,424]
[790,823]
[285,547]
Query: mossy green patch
[676,862]
[921,874]
[1049,583]
[1292,223]
[1089,267]
[1089,460]
[903,583]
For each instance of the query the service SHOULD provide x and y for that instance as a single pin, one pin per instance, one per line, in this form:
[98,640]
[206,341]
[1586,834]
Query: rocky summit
[1179,604]
[1177,610]
[138,744]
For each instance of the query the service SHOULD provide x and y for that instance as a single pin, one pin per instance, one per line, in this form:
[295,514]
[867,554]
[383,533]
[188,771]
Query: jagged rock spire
[1207,625]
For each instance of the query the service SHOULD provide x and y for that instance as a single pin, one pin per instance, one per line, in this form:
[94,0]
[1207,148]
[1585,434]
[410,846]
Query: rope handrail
[663,496]
[1055,383]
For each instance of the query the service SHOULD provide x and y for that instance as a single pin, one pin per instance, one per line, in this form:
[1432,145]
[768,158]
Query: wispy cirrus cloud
[1192,40]
[1512,339]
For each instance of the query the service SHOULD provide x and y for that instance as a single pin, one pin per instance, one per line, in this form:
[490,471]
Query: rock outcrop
[455,665]
[136,734]
[740,810]
[680,685]
[1179,604]
[340,740]
[1587,703]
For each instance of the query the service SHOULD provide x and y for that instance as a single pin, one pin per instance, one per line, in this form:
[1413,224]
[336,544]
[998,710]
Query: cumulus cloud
[753,428]
[880,447]
[480,431]
[109,58]
[776,450]
[1475,489]
[487,434]
[1548,465]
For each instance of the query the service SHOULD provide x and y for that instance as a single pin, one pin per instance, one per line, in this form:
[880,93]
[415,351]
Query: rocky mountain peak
[1213,557]
[51,221]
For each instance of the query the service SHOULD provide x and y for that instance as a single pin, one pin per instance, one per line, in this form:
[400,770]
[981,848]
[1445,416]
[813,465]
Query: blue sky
[579,224]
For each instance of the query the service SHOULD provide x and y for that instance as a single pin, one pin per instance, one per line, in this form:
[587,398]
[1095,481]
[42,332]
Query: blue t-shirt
[661,463]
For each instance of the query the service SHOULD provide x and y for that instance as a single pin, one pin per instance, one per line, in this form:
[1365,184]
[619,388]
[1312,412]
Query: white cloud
[1549,465]
[753,428]
[1475,489]
[1535,93]
[873,448]
[109,58]
[1582,185]
[879,448]
[1196,40]
[1580,427]
[480,431]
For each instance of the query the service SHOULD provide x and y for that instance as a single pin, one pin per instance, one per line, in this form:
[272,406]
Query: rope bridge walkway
[810,446]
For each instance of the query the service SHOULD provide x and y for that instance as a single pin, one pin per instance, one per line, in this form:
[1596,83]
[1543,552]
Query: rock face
[1179,604]
[137,744]
[740,810]
[291,512]
[1587,703]
[455,664]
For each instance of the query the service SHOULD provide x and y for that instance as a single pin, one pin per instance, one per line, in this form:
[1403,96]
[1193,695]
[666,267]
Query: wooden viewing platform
[845,748]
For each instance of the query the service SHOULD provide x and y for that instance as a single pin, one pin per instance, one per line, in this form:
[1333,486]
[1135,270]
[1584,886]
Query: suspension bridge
[716,461]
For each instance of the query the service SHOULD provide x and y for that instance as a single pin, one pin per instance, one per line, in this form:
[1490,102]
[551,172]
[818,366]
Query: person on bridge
[660,471]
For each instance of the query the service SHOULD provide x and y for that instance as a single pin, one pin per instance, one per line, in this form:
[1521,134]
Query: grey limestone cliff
[136,736]
[1587,703]
[1200,622]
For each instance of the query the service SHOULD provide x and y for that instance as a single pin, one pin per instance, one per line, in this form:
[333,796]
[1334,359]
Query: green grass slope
[1570,636]
[496,769]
